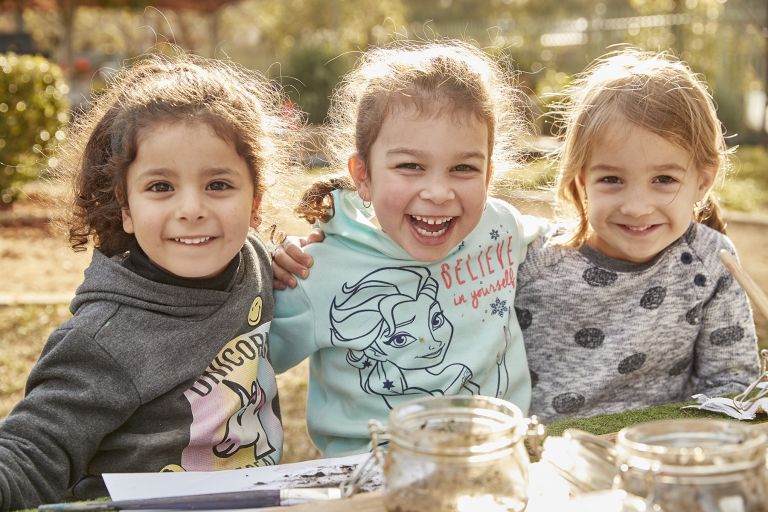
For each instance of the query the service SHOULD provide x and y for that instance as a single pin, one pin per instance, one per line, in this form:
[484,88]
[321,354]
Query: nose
[191,206]
[437,190]
[636,204]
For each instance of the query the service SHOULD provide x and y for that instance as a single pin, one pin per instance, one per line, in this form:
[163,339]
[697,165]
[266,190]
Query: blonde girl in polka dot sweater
[630,306]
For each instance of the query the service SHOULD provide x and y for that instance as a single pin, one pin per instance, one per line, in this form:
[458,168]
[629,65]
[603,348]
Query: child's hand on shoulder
[289,259]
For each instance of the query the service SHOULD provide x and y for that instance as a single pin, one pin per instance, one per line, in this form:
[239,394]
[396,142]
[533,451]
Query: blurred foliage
[746,189]
[34,108]
[312,70]
[547,39]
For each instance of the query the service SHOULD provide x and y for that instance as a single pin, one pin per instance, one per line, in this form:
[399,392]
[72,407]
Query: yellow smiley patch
[254,314]
[173,468]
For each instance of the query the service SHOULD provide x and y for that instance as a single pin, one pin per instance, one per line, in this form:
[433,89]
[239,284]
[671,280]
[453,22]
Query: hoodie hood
[107,280]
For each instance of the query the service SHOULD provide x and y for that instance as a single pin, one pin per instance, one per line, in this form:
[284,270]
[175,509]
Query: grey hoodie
[146,377]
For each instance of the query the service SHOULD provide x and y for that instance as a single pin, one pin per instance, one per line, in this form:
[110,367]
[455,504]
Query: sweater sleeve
[726,358]
[292,332]
[75,395]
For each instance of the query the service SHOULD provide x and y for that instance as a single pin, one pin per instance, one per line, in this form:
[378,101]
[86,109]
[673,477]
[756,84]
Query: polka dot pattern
[653,298]
[589,337]
[679,367]
[604,325]
[568,403]
[723,283]
[524,317]
[595,276]
[726,336]
[693,316]
[632,363]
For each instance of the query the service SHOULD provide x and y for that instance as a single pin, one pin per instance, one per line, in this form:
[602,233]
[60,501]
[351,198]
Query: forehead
[620,137]
[417,108]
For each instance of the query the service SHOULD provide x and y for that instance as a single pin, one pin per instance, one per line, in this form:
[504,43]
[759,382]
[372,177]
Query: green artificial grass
[610,423]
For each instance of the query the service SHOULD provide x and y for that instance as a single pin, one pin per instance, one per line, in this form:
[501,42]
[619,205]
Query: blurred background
[307,44]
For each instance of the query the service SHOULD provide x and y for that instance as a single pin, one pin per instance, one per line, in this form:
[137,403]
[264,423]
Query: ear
[359,173]
[127,220]
[255,215]
[706,179]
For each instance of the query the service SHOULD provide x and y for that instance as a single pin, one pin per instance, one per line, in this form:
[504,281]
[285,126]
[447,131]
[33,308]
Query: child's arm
[292,331]
[726,359]
[75,396]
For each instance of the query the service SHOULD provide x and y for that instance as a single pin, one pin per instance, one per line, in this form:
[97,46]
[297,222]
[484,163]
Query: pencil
[257,498]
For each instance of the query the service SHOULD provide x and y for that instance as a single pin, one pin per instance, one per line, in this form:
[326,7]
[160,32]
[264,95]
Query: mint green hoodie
[382,329]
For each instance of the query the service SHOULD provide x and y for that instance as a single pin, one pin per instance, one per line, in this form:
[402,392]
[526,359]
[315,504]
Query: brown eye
[219,185]
[160,186]
[665,180]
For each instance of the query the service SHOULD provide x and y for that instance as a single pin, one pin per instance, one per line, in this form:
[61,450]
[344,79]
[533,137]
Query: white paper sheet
[547,490]
[314,473]
[730,407]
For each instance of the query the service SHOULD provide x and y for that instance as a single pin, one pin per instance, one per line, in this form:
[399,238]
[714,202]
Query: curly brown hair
[240,105]
[445,74]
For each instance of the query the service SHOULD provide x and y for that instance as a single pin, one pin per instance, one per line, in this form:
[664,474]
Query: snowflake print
[494,234]
[499,307]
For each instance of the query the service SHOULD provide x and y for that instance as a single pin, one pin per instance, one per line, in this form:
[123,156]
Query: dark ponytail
[317,202]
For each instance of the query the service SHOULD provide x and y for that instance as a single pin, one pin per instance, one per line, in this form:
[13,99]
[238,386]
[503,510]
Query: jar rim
[456,425]
[692,442]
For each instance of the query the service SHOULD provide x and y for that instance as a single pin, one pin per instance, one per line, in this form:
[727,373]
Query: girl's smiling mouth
[431,227]
[639,230]
[193,240]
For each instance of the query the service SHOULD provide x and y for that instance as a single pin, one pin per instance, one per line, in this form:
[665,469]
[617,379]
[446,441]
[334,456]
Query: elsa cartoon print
[398,335]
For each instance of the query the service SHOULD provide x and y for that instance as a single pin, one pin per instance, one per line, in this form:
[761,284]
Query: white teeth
[432,220]
[433,234]
[638,228]
[193,241]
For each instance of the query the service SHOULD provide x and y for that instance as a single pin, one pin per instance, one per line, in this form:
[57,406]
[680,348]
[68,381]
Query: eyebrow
[422,154]
[165,171]
[655,168]
[407,321]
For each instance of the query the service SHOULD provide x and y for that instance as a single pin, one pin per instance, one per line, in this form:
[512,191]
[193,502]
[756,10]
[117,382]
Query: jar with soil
[456,453]
[694,465]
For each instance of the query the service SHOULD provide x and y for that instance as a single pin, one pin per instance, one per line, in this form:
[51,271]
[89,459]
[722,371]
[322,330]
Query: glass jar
[456,453]
[694,464]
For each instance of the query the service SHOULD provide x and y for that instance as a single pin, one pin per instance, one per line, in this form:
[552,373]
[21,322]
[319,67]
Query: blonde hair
[240,105]
[429,76]
[653,91]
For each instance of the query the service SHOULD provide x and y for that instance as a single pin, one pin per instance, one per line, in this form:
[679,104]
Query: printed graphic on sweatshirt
[398,336]
[234,425]
[482,271]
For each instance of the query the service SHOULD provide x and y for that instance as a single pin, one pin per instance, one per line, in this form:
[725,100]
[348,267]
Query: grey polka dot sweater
[604,335]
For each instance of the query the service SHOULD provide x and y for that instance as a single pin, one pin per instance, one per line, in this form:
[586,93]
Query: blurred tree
[312,70]
[314,40]
[33,107]
[352,24]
